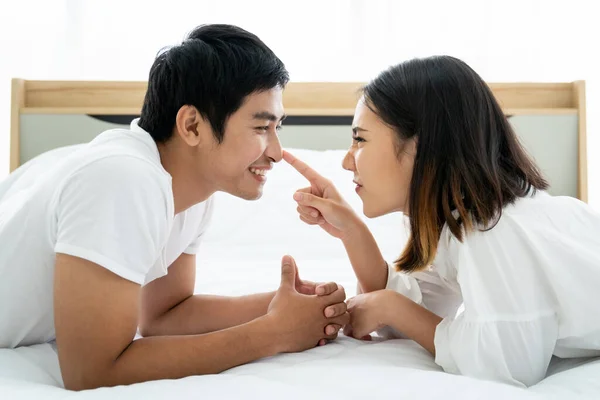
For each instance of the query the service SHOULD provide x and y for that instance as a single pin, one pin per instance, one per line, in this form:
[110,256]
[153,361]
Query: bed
[236,259]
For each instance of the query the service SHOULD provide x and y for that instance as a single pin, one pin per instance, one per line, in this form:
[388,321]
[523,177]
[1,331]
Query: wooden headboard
[543,114]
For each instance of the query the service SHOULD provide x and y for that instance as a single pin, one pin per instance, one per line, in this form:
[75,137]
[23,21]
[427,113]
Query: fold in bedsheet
[347,369]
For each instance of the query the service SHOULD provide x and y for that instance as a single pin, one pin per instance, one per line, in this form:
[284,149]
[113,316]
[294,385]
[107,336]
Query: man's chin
[248,195]
[252,197]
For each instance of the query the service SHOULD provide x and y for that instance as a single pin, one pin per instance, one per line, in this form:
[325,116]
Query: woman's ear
[191,127]
[412,146]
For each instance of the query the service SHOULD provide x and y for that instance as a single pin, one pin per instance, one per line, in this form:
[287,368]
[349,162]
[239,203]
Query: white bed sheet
[241,254]
[347,368]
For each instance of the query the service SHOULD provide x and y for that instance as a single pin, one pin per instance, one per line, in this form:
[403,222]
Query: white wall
[504,40]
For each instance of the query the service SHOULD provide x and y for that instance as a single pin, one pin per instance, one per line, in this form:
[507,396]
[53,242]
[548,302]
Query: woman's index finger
[304,169]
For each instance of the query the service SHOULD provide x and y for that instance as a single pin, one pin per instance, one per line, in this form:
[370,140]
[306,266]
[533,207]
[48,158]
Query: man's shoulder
[118,154]
[99,179]
[128,177]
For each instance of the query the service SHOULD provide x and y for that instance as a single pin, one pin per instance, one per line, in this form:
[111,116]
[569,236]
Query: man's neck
[187,189]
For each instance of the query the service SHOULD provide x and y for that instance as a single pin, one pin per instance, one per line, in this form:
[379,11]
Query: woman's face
[381,162]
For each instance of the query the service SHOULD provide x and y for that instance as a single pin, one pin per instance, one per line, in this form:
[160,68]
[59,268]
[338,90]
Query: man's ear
[191,127]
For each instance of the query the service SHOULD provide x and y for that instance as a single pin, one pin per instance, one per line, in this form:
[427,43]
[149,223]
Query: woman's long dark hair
[469,162]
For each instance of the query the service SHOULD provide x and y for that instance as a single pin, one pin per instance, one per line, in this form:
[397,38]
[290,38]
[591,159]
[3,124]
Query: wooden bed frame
[300,99]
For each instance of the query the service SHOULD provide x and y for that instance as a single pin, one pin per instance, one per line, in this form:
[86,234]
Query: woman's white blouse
[529,287]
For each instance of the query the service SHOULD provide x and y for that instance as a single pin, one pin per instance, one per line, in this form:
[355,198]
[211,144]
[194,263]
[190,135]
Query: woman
[430,140]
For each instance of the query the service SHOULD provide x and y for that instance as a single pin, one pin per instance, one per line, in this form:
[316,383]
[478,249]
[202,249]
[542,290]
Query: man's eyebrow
[267,115]
[356,129]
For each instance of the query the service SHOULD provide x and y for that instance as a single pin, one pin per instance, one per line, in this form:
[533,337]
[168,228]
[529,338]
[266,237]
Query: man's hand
[312,288]
[298,318]
[321,289]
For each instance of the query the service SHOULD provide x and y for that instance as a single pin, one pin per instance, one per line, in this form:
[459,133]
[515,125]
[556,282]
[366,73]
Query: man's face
[250,146]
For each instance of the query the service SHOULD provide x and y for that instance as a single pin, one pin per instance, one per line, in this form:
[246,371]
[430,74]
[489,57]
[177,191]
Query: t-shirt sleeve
[207,214]
[115,212]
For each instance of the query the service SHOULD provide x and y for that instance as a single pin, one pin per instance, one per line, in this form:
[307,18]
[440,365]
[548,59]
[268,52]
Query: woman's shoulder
[538,215]
[541,210]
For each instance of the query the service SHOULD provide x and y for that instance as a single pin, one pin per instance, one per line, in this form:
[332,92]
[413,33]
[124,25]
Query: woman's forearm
[411,319]
[369,265]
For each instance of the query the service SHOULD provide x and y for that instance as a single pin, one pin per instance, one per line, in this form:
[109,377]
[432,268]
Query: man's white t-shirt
[109,201]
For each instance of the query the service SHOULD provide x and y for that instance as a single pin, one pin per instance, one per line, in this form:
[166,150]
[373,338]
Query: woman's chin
[371,212]
[374,211]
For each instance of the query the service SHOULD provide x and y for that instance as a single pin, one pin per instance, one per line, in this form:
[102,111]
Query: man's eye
[358,139]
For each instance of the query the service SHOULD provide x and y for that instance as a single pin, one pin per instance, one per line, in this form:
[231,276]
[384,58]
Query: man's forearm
[206,313]
[173,357]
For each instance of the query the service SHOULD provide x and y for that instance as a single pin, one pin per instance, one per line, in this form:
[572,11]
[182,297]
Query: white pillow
[273,223]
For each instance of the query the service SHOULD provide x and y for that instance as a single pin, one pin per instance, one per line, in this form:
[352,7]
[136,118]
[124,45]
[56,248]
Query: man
[102,239]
